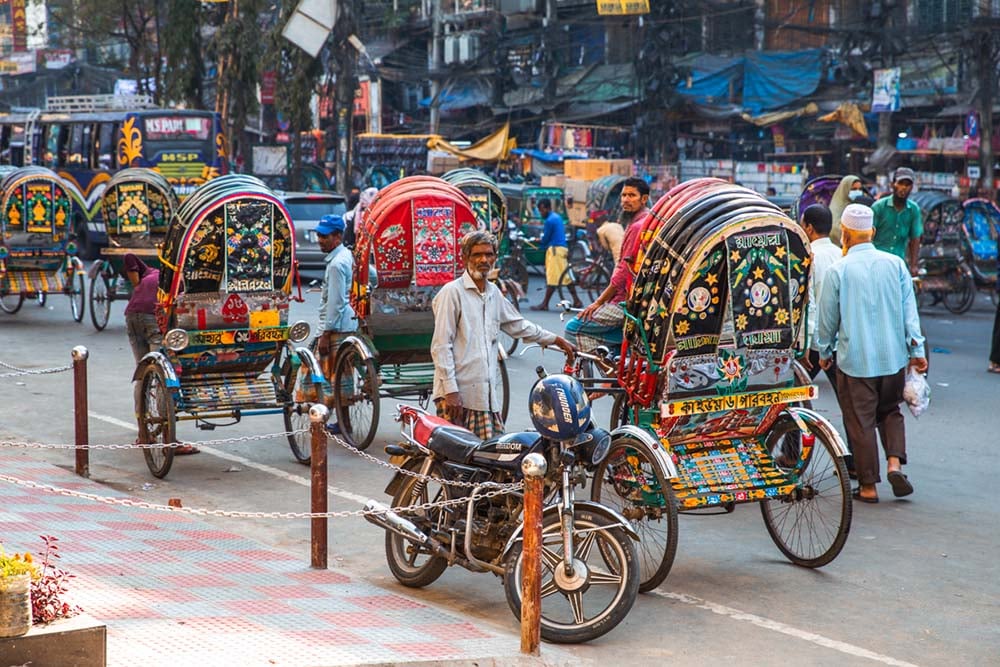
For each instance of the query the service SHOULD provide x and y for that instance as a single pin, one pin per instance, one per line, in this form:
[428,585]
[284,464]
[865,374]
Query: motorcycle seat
[454,443]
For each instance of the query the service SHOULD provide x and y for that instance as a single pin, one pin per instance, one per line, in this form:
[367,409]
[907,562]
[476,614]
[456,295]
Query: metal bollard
[534,468]
[318,414]
[80,355]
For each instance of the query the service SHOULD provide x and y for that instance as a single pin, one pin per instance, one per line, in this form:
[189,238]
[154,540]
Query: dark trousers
[871,404]
[995,347]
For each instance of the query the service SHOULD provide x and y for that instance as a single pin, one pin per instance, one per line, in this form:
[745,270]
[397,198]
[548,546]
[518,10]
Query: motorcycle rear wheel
[605,556]
[412,564]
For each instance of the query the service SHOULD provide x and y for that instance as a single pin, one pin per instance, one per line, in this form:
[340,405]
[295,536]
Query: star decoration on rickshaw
[734,256]
[682,327]
[806,262]
[781,316]
[780,252]
[711,279]
[741,321]
[758,273]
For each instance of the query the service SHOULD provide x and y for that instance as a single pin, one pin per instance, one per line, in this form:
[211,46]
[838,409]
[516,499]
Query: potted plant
[16,573]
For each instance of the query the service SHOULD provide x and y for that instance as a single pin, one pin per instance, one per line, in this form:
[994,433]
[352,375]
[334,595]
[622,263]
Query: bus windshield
[170,128]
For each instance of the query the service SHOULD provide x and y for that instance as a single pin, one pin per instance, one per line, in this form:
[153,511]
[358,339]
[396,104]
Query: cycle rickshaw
[37,251]
[604,201]
[817,190]
[407,248]
[228,350]
[944,275]
[708,366]
[137,206]
[980,230]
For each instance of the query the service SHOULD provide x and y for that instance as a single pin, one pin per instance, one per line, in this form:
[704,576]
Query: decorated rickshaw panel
[36,217]
[36,205]
[134,210]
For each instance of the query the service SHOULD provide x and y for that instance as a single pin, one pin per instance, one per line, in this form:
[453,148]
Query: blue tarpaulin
[462,94]
[762,79]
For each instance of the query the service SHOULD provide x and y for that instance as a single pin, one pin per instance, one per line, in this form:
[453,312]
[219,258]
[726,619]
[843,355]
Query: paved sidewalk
[174,590]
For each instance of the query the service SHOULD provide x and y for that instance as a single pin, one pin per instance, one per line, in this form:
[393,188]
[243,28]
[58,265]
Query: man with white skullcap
[868,314]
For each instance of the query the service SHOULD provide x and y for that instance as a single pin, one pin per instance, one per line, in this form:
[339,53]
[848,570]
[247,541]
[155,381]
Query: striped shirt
[868,314]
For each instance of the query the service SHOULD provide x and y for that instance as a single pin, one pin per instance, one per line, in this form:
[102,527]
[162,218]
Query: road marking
[777,626]
[262,467]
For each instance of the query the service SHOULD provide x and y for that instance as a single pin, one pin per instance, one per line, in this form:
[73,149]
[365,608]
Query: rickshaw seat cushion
[454,443]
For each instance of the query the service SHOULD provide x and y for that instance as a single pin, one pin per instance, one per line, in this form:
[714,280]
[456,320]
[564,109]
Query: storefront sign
[622,7]
[885,93]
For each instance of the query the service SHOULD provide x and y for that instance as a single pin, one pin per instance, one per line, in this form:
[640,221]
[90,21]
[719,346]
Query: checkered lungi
[484,424]
[604,328]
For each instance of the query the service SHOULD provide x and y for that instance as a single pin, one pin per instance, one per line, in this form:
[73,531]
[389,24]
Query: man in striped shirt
[868,313]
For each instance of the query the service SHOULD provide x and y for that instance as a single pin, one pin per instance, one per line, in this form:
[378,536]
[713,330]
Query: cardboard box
[576,189]
[588,170]
[577,214]
[557,181]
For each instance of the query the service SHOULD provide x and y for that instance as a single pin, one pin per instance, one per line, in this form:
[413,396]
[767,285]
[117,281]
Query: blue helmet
[559,407]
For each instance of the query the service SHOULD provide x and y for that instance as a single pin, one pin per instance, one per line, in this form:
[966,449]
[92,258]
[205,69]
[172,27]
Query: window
[104,148]
[78,148]
[167,128]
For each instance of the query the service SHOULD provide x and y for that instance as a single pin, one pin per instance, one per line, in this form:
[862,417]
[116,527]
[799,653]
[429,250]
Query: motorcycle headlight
[299,331]
[176,340]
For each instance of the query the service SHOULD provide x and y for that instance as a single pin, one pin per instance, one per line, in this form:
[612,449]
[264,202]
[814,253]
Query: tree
[298,76]
[185,72]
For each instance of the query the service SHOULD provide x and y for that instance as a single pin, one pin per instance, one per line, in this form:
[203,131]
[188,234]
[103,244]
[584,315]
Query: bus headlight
[176,340]
[299,331]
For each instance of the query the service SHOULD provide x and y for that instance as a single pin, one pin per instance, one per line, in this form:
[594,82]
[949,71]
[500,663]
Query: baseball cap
[904,174]
[329,224]
[857,217]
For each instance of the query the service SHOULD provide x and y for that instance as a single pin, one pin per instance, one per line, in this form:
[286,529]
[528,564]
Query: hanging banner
[622,7]
[19,24]
[885,93]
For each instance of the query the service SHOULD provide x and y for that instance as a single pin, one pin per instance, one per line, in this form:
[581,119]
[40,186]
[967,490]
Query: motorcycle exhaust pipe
[384,517]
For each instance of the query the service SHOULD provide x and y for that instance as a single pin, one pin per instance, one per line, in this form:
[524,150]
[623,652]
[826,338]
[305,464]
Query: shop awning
[496,146]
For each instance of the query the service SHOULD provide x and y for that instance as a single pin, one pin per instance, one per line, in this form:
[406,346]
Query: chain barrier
[29,371]
[234,514]
[150,445]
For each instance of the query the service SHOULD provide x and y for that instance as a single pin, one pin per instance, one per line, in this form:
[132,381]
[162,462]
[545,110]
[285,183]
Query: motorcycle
[590,576]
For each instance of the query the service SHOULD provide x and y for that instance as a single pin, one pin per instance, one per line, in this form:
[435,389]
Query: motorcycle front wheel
[412,564]
[597,596]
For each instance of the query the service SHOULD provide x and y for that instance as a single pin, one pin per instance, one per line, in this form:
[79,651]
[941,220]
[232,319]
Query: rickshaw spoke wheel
[961,298]
[77,296]
[302,395]
[100,300]
[11,303]
[810,527]
[355,389]
[157,421]
[631,481]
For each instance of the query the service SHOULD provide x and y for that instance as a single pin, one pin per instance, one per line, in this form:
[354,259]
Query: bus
[87,138]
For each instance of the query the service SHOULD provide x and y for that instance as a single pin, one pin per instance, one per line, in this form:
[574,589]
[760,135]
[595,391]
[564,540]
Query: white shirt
[824,253]
[465,345]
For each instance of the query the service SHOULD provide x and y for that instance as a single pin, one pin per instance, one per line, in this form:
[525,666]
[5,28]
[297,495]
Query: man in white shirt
[817,222]
[469,314]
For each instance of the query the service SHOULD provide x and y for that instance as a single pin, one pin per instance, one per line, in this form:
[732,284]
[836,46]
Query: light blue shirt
[868,314]
[335,312]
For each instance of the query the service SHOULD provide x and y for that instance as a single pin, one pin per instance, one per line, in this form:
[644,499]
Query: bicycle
[592,276]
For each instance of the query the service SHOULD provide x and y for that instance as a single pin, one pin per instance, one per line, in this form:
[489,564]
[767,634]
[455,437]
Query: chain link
[28,371]
[414,474]
[150,445]
[195,511]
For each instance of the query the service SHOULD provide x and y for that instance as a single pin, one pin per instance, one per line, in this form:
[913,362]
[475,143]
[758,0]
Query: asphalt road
[917,582]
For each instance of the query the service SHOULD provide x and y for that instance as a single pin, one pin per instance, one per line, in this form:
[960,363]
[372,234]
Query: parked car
[306,208]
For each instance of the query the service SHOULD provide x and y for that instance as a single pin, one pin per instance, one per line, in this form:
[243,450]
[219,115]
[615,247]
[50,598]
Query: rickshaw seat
[454,443]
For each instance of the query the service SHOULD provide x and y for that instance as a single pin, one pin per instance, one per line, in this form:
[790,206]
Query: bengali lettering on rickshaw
[434,244]
[759,275]
[737,401]
[238,336]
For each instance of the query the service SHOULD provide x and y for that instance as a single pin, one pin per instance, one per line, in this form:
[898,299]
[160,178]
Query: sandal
[900,484]
[856,494]
[185,450]
[993,368]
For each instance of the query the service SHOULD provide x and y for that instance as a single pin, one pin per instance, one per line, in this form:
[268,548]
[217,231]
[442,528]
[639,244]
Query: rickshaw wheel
[301,397]
[77,296]
[810,527]
[356,398]
[100,300]
[631,481]
[157,421]
[11,303]
[505,390]
[962,297]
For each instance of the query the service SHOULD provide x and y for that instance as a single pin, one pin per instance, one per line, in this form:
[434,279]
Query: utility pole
[987,51]
[434,64]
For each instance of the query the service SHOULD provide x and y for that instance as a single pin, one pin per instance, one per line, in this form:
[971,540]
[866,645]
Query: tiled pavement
[173,590]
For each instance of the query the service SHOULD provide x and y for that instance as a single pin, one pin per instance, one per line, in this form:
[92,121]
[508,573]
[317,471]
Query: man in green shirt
[898,223]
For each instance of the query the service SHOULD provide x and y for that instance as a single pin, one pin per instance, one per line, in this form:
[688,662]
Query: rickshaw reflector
[176,340]
[71,248]
[265,318]
[299,331]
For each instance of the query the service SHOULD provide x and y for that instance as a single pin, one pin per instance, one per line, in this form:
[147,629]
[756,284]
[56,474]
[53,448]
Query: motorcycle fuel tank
[507,450]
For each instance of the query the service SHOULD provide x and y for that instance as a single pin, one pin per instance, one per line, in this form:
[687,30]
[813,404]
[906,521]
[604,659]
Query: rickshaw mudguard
[309,359]
[358,343]
[588,505]
[810,420]
[647,438]
[159,359]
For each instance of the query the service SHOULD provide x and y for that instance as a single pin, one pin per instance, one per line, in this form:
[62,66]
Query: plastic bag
[916,392]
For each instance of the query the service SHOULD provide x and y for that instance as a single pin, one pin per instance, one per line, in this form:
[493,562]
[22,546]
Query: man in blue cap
[336,317]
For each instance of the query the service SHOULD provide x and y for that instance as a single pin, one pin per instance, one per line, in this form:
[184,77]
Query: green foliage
[184,76]
[238,46]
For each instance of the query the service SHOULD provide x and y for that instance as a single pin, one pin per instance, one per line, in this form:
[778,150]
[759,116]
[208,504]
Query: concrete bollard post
[80,410]
[318,414]
[534,468]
